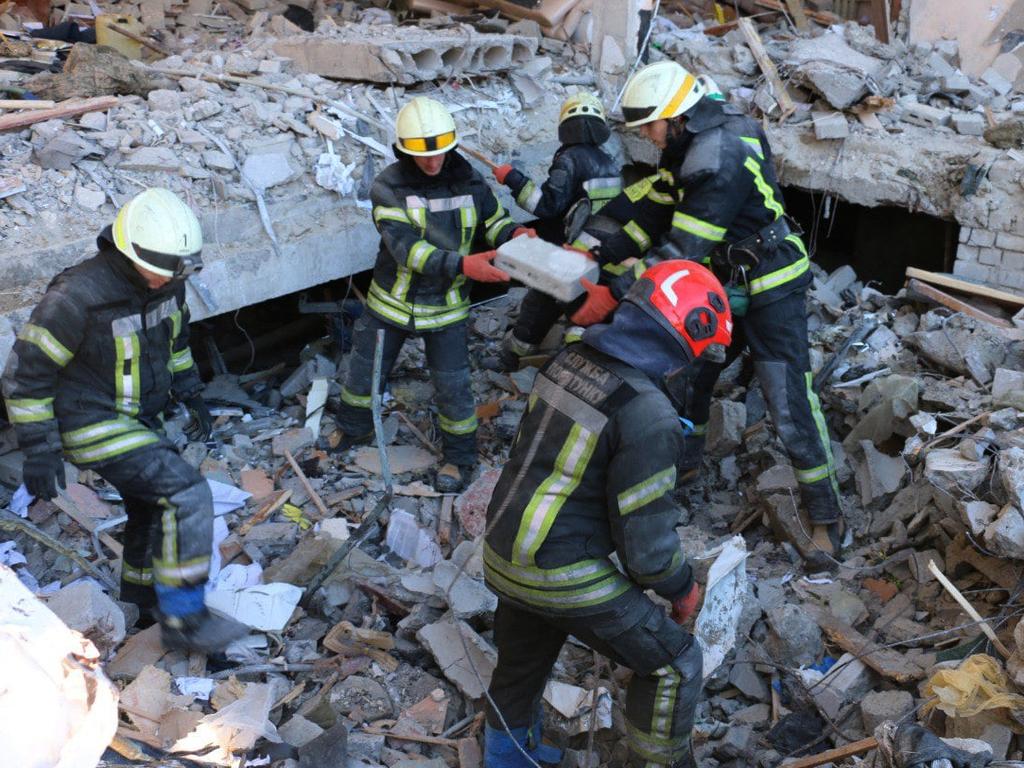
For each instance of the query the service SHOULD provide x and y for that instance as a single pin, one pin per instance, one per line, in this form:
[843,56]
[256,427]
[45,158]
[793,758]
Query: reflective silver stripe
[577,573]
[586,241]
[643,493]
[86,435]
[698,227]
[181,361]
[569,405]
[419,253]
[779,276]
[27,411]
[162,311]
[391,214]
[127,325]
[46,342]
[440,204]
[114,447]
[171,574]
[496,227]
[603,591]
[812,475]
[529,197]
[637,235]
[436,321]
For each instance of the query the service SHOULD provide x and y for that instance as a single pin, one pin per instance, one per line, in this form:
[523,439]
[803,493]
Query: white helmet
[658,92]
[425,127]
[157,231]
[582,104]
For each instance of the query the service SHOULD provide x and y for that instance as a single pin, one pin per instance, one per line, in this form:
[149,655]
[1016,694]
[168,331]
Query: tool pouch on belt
[749,251]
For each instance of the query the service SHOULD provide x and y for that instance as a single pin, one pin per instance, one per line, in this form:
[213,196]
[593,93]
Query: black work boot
[350,441]
[452,478]
[200,631]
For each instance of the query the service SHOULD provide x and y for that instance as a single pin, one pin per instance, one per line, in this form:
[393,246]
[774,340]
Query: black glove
[200,424]
[42,473]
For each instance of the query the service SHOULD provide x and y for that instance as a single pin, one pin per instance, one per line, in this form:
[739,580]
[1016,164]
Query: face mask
[679,384]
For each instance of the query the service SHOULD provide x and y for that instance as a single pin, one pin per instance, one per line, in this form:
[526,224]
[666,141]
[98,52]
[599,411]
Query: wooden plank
[880,20]
[69,508]
[964,286]
[943,298]
[835,755]
[70,108]
[890,664]
[796,10]
[268,508]
[27,104]
[140,39]
[310,491]
[767,67]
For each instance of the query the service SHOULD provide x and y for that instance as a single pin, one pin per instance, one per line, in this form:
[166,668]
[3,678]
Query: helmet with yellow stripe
[582,104]
[660,91]
[425,128]
[159,232]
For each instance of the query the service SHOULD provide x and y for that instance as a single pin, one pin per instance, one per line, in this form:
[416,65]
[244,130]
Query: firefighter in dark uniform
[580,170]
[89,378]
[591,473]
[716,164]
[434,214]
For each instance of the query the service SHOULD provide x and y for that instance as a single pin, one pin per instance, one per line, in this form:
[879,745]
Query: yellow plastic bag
[978,685]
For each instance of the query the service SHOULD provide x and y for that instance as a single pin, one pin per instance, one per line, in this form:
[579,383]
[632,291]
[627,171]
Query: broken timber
[890,664]
[767,66]
[965,286]
[957,305]
[835,755]
[70,108]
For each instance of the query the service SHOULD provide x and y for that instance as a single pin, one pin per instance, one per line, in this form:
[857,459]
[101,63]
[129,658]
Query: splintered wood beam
[796,10]
[767,66]
[70,108]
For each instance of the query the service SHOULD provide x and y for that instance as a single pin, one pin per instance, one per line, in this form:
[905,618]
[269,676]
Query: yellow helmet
[425,128]
[658,92]
[157,231]
[582,104]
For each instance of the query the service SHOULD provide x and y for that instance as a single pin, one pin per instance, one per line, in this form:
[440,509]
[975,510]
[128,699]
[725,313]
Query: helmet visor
[177,266]
[428,143]
[634,115]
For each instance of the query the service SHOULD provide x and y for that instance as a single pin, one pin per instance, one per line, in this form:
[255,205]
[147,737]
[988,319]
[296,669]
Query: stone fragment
[885,403]
[293,440]
[726,422]
[1005,535]
[402,458]
[89,198]
[992,78]
[924,115]
[879,474]
[85,607]
[847,681]
[832,68]
[299,731]
[969,123]
[947,470]
[847,607]
[444,639]
[978,515]
[269,170]
[795,637]
[317,367]
[164,100]
[471,505]
[745,678]
[1008,388]
[205,108]
[879,706]
[363,698]
[957,82]
[330,748]
[467,597]
[159,159]
[740,742]
[63,151]
[214,158]
[830,125]
[777,478]
[1011,474]
[240,64]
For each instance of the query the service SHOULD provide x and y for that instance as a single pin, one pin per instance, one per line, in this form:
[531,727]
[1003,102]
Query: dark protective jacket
[427,224]
[720,177]
[94,367]
[577,171]
[591,473]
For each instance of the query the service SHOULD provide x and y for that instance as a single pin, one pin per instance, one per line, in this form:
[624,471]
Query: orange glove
[520,231]
[684,607]
[599,304]
[584,251]
[501,171]
[477,266]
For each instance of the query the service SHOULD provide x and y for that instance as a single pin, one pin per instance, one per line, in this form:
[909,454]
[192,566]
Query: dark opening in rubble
[879,243]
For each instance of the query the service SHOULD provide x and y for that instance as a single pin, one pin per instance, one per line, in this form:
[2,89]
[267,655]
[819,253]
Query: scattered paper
[407,540]
[267,607]
[196,687]
[723,604]
[236,727]
[226,498]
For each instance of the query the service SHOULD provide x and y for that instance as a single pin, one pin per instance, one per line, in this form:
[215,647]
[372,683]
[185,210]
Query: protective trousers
[448,360]
[776,335]
[634,632]
[169,534]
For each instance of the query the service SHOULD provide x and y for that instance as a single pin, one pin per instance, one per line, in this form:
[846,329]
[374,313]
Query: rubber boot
[200,631]
[451,478]
[349,441]
[502,750]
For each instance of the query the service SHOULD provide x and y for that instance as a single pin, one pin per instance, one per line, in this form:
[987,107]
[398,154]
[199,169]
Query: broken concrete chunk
[726,422]
[269,170]
[832,68]
[449,640]
[878,475]
[969,123]
[946,469]
[1005,535]
[85,607]
[830,125]
[299,731]
[466,596]
[1011,474]
[978,515]
[545,267]
[164,100]
[402,458]
[292,440]
[362,697]
[795,636]
[160,159]
[1008,388]
[924,115]
[847,681]
[879,706]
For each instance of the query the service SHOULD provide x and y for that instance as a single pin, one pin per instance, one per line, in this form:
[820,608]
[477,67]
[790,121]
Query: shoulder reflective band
[429,143]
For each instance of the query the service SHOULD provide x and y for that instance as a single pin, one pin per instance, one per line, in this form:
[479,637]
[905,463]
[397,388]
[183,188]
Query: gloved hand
[520,231]
[42,473]
[501,172]
[599,304]
[200,423]
[739,299]
[477,266]
[683,607]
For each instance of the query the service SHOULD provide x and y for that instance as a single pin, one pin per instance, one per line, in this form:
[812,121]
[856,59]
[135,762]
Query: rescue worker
[732,216]
[439,224]
[90,375]
[591,473]
[580,170]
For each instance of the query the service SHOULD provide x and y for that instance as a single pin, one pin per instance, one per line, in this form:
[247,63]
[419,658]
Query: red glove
[501,171]
[520,231]
[684,607]
[477,266]
[599,304]
[584,251]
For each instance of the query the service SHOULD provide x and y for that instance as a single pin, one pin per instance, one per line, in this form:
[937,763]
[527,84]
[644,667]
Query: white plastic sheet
[57,708]
[236,727]
[723,604]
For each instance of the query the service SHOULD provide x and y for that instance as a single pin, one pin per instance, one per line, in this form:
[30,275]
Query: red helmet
[686,300]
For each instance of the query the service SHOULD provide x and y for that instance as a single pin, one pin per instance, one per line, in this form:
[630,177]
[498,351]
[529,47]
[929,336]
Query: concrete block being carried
[404,55]
[550,269]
